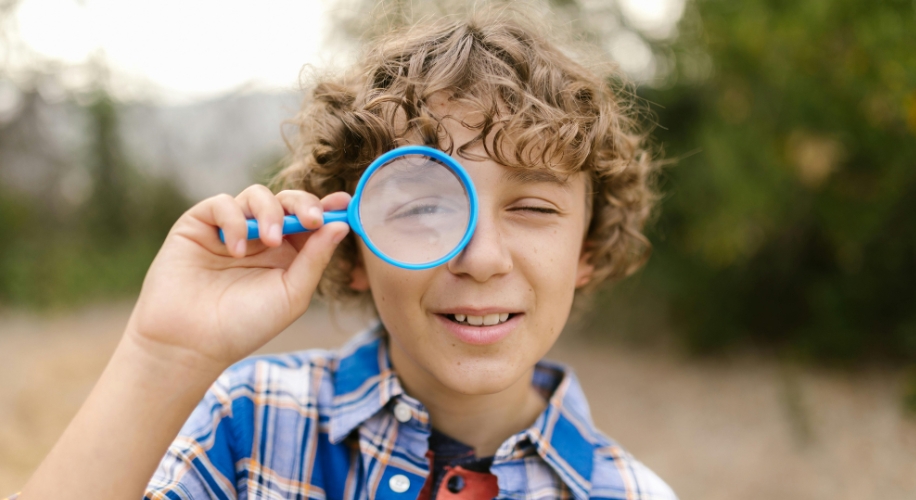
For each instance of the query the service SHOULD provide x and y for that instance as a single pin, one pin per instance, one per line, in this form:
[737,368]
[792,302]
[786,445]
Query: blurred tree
[795,224]
[106,211]
[60,249]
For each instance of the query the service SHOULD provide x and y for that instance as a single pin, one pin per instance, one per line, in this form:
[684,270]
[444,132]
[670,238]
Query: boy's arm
[204,305]
[120,434]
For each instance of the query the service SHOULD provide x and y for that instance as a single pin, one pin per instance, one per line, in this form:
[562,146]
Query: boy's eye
[536,209]
[418,210]
[428,210]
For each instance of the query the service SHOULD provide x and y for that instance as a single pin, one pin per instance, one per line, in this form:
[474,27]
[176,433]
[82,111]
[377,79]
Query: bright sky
[655,18]
[199,48]
[190,48]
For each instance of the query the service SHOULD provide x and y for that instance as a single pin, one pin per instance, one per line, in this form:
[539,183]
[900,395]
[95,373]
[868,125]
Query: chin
[478,377]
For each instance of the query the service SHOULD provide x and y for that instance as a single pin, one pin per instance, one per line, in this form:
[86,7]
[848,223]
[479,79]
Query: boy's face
[525,260]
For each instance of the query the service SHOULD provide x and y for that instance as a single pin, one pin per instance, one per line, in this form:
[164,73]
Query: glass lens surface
[414,209]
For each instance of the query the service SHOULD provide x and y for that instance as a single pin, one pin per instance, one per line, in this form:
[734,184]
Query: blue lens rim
[353,209]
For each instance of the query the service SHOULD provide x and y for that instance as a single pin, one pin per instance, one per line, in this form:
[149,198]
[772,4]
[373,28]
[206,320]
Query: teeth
[487,320]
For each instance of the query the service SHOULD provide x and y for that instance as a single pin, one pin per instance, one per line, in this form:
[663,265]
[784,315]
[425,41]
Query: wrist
[165,361]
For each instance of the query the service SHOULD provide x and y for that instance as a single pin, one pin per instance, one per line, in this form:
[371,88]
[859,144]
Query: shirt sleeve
[651,486]
[617,475]
[201,462]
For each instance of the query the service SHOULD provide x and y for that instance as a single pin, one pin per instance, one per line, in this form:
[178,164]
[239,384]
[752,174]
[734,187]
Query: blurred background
[767,350]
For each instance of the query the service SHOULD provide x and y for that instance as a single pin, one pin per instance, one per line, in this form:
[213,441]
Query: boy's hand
[208,302]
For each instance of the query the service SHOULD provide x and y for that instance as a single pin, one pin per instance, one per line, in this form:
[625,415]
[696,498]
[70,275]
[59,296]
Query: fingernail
[276,232]
[239,249]
[316,215]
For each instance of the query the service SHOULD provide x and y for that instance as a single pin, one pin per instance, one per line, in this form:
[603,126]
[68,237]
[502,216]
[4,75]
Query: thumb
[305,272]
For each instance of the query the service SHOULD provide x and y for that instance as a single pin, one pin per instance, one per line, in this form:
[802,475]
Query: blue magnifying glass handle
[420,208]
[291,224]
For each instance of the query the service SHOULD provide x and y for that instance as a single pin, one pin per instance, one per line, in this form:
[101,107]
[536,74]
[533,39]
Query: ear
[584,269]
[359,280]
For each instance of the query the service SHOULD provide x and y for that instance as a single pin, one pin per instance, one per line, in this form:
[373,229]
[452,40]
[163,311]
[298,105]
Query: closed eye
[541,210]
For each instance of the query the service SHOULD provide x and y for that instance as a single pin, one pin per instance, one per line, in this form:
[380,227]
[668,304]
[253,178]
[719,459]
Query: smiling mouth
[485,320]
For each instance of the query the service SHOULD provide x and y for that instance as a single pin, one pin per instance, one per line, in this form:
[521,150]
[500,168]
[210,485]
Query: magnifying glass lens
[414,209]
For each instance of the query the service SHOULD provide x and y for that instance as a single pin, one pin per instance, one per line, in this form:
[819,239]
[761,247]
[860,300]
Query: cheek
[549,264]
[396,292]
[550,258]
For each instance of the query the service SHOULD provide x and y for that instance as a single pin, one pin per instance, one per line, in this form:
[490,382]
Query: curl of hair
[539,109]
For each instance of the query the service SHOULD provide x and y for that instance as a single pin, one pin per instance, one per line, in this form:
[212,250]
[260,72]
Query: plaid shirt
[319,424]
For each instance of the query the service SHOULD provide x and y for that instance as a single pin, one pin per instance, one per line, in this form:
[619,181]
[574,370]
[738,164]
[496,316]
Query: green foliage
[99,249]
[790,219]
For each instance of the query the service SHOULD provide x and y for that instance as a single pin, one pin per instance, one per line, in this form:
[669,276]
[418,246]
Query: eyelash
[540,210]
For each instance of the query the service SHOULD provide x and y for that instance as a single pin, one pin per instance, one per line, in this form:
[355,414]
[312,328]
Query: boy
[448,396]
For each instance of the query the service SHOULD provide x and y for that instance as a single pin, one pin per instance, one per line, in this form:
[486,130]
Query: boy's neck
[483,422]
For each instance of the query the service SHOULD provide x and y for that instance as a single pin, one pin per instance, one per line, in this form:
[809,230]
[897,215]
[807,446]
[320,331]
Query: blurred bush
[789,219]
[60,253]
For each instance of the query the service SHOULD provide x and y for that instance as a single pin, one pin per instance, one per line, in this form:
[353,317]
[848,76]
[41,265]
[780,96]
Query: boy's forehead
[536,175]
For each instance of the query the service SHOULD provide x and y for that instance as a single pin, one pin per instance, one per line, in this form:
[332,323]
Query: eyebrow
[525,176]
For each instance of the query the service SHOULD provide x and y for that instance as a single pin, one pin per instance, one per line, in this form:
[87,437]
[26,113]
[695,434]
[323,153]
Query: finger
[260,203]
[299,202]
[303,274]
[305,206]
[222,211]
[336,201]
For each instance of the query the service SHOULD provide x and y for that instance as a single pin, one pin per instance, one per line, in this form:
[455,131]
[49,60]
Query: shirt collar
[364,382]
[563,435]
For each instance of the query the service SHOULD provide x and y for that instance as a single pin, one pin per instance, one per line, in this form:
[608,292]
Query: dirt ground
[742,428]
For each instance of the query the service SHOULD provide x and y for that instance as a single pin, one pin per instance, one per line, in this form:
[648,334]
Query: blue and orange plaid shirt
[338,425]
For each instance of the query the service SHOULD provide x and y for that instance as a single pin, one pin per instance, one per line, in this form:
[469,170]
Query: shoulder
[288,374]
[614,473]
[253,420]
[228,415]
[617,474]
[289,381]
[301,380]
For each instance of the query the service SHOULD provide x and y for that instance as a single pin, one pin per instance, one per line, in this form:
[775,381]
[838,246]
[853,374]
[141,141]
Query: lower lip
[480,335]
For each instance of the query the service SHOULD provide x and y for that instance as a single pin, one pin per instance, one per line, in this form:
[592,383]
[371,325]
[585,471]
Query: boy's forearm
[116,440]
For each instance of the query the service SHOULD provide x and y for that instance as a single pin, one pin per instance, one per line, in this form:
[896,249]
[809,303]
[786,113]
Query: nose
[486,255]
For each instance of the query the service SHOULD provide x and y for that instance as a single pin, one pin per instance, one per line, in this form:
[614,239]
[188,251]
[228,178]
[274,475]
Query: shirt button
[399,483]
[402,412]
[455,483]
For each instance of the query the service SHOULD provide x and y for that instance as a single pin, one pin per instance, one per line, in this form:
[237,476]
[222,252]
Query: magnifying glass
[414,206]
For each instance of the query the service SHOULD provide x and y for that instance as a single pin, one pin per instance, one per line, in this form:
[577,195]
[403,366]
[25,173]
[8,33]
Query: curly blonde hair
[539,109]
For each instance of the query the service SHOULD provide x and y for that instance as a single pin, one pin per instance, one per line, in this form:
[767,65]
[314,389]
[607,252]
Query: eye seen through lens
[414,209]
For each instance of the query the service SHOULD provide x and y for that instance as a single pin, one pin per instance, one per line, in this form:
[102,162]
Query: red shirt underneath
[456,472]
